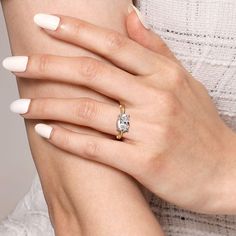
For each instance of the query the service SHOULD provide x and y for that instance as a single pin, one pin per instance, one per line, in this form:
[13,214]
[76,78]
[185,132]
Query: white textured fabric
[30,218]
[202,34]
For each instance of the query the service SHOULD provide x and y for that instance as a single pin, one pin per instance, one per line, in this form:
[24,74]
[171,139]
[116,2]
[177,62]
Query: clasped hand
[177,145]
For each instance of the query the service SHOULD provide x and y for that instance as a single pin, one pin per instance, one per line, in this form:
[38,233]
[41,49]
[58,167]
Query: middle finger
[97,75]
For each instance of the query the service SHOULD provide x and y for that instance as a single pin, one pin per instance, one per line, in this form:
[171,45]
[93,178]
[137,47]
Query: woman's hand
[177,145]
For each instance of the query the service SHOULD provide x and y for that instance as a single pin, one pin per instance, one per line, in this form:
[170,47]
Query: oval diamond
[123,123]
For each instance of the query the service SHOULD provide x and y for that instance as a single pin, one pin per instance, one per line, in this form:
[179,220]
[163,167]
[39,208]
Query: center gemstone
[123,123]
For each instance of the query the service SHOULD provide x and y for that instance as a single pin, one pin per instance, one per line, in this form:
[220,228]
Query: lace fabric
[202,35]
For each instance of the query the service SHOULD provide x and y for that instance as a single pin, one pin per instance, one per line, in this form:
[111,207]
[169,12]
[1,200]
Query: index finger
[117,48]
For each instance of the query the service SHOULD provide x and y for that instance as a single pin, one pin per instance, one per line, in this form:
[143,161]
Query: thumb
[140,32]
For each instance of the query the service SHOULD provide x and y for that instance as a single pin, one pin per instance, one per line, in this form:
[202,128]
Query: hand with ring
[173,140]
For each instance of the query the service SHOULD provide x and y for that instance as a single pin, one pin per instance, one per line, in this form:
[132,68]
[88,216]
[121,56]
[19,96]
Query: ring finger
[82,111]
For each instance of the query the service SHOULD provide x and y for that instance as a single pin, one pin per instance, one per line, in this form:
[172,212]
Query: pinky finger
[104,150]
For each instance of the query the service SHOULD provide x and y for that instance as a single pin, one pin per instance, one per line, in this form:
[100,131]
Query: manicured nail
[46,21]
[139,14]
[20,106]
[43,130]
[16,63]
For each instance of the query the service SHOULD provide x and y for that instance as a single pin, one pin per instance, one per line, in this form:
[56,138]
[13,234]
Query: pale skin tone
[164,188]
[177,142]
[84,197]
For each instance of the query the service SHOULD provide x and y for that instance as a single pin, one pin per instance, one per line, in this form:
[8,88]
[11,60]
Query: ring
[123,123]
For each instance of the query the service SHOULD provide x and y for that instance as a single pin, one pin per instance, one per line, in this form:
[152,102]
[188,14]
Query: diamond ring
[123,123]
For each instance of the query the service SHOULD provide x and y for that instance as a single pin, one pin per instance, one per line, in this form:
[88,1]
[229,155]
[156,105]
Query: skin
[83,197]
[176,112]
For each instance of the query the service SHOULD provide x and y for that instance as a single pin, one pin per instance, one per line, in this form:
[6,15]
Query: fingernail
[43,130]
[47,21]
[16,63]
[139,14]
[20,106]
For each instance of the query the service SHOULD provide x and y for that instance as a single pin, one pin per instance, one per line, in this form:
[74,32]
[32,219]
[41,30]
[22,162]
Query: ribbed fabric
[202,34]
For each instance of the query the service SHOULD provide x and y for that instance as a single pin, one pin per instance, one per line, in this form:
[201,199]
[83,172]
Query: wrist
[64,222]
[228,188]
[63,216]
[221,190]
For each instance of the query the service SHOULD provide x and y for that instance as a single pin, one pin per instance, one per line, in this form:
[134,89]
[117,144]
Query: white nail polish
[140,16]
[43,130]
[20,106]
[46,21]
[16,63]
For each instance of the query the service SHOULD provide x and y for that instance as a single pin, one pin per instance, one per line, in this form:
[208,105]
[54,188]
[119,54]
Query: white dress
[202,34]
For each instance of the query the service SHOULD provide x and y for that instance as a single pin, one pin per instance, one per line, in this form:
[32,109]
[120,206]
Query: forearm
[104,201]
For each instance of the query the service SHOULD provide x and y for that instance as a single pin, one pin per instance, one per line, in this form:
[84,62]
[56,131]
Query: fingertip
[135,29]
[47,21]
[20,106]
[44,130]
[133,24]
[135,14]
[15,63]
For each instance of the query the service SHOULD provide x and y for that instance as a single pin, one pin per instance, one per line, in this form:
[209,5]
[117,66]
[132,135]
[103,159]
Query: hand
[177,145]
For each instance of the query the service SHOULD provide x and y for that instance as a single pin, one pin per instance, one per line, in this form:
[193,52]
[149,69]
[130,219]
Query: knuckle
[114,41]
[86,109]
[169,103]
[91,149]
[64,140]
[151,163]
[42,63]
[42,108]
[145,164]
[77,27]
[89,68]
[151,92]
[178,81]
[169,136]
[177,77]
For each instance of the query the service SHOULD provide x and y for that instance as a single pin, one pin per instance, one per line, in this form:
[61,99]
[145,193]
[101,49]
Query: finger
[117,154]
[99,76]
[139,33]
[172,81]
[117,48]
[82,111]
